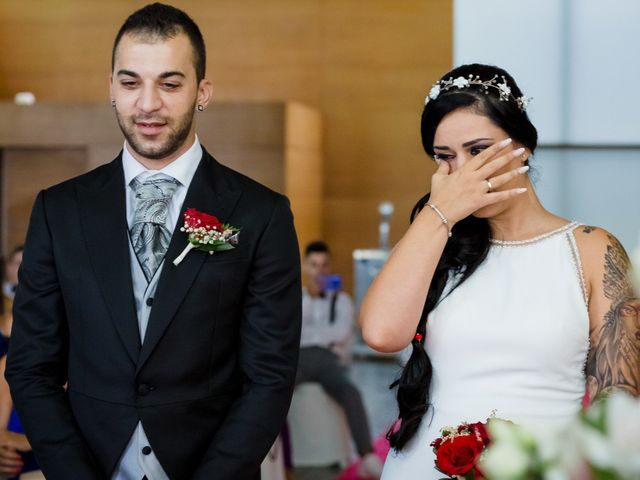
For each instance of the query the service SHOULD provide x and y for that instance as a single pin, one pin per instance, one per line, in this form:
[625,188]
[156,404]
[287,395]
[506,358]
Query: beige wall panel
[304,165]
[243,124]
[27,171]
[304,189]
[263,165]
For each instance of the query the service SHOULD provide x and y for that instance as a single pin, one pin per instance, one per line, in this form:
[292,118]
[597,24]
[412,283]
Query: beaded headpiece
[499,83]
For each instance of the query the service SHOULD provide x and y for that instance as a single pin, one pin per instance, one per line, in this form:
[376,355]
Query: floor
[373,377]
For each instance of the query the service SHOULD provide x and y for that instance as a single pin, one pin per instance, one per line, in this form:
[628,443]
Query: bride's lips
[150,128]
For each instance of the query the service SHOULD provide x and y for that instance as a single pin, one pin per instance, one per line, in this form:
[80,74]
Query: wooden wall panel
[365,65]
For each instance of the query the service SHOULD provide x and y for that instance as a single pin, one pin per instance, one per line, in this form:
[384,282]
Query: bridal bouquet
[459,449]
[601,443]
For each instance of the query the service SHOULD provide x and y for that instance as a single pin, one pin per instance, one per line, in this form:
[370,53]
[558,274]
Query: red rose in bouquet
[458,450]
[479,429]
[458,455]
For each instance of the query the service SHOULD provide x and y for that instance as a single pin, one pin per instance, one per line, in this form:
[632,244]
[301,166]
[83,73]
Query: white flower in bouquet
[508,456]
[557,452]
[609,439]
[505,461]
[623,419]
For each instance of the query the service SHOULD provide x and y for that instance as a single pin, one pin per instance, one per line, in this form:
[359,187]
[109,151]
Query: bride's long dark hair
[469,245]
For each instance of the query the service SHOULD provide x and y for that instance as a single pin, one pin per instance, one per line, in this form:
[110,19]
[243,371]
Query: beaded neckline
[539,238]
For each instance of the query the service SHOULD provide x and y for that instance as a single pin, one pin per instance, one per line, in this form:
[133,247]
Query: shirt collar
[182,168]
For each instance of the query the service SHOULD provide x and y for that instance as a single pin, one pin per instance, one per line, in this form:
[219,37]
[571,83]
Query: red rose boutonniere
[205,232]
[459,448]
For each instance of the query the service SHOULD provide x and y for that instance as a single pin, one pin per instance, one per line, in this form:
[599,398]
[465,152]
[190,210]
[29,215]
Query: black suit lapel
[210,193]
[104,223]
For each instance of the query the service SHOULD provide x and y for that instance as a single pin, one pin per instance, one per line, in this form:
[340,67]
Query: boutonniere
[205,232]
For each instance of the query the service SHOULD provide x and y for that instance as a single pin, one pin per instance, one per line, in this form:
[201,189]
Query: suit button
[143,389]
[146,450]
[149,301]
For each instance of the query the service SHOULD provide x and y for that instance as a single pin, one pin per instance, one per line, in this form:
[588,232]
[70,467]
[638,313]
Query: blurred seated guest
[327,324]
[10,274]
[9,284]
[15,451]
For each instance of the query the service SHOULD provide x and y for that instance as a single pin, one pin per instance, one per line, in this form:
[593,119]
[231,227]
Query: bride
[510,308]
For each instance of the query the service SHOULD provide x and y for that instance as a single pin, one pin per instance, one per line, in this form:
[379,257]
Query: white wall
[579,60]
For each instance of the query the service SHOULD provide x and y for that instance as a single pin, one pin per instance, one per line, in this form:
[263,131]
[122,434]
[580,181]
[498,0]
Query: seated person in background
[9,284]
[13,441]
[327,324]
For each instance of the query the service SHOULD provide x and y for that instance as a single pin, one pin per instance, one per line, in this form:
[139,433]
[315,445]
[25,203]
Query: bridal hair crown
[499,83]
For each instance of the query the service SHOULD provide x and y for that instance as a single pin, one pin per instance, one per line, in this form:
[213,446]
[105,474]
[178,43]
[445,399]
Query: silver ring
[489,185]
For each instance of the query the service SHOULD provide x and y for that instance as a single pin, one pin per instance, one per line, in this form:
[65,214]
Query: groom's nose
[149,99]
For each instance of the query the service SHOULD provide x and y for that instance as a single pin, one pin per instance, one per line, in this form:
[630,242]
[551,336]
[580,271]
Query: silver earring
[200,108]
[113,103]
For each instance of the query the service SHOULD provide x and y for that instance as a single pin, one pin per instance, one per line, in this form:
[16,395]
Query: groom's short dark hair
[158,20]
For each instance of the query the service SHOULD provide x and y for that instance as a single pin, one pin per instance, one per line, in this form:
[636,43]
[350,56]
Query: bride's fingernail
[517,152]
[524,169]
[521,190]
[505,142]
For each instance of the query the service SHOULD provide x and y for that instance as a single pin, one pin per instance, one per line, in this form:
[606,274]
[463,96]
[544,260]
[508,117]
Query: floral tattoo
[614,359]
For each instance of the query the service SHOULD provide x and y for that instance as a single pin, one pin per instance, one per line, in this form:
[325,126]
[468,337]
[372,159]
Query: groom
[171,372]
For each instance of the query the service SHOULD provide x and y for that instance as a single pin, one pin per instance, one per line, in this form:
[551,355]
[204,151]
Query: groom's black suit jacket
[213,379]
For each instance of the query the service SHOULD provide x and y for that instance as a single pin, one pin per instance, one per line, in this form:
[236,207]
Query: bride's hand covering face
[478,167]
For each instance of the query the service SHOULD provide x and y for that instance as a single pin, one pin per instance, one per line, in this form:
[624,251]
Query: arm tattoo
[614,359]
[587,229]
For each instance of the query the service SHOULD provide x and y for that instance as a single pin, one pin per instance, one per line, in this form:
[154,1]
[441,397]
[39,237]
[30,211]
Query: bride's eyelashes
[447,157]
[476,149]
[440,157]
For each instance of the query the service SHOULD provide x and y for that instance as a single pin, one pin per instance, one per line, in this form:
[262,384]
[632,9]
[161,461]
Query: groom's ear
[205,92]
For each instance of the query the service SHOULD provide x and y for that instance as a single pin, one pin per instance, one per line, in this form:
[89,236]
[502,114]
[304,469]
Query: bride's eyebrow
[464,145]
[472,142]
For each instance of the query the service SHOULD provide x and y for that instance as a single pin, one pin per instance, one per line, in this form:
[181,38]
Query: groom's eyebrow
[171,74]
[163,75]
[129,73]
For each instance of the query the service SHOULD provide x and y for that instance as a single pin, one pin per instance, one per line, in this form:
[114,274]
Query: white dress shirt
[317,328]
[139,459]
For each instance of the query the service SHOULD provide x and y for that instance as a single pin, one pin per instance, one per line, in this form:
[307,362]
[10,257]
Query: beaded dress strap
[536,239]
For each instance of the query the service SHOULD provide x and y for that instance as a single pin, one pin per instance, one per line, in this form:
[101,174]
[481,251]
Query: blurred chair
[35,475]
[318,429]
[272,467]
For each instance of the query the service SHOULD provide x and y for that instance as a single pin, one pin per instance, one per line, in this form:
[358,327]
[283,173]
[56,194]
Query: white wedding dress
[512,339]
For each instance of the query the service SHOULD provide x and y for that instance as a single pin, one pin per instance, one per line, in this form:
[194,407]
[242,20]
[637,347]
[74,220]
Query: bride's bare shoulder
[601,254]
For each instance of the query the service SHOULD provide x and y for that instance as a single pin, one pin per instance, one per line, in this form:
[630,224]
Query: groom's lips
[150,128]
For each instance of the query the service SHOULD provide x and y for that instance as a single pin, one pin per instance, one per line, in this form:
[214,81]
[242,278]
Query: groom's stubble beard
[179,131]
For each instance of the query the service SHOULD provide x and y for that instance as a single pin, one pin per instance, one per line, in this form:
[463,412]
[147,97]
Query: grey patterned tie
[149,233]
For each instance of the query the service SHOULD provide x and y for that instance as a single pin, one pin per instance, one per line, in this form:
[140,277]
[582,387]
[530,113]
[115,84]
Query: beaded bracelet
[442,217]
